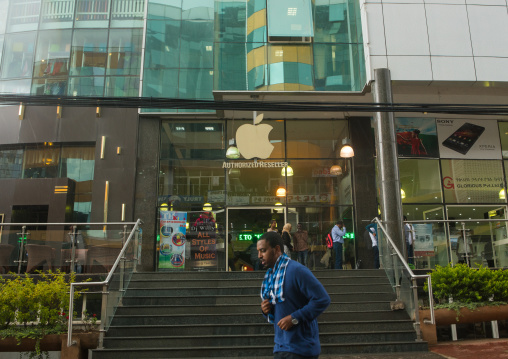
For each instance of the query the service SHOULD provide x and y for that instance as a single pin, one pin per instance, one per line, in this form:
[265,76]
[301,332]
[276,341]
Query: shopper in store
[409,233]
[286,237]
[292,299]
[338,232]
[372,231]
[301,244]
[273,226]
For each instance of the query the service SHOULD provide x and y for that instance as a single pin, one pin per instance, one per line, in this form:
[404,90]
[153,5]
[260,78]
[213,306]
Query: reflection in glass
[57,14]
[41,162]
[18,55]
[122,86]
[96,11]
[3,15]
[127,13]
[23,15]
[86,86]
[89,53]
[124,52]
[15,86]
[11,161]
[77,163]
[420,181]
[162,44]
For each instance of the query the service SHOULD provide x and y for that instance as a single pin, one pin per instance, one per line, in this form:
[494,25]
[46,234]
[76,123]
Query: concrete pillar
[387,165]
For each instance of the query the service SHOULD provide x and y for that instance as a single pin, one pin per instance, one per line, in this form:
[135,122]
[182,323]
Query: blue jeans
[337,248]
[302,257]
[376,257]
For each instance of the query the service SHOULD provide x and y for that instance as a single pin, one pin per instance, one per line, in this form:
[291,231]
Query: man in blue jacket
[292,299]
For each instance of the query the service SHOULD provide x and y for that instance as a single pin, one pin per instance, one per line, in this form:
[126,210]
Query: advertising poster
[416,137]
[471,139]
[424,240]
[203,240]
[172,240]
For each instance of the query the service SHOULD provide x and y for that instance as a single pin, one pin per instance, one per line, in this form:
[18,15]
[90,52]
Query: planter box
[52,342]
[449,316]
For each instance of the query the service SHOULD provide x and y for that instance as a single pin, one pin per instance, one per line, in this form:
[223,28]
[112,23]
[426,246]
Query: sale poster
[172,240]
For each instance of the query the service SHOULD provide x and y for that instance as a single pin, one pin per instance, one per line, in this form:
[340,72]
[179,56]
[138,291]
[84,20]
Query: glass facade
[196,178]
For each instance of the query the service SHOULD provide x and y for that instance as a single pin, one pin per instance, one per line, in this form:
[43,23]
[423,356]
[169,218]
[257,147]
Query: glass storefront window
[41,162]
[484,242]
[196,47]
[162,45]
[89,53]
[23,15]
[337,22]
[124,52]
[86,86]
[195,84]
[164,9]
[473,181]
[11,162]
[3,15]
[503,132]
[15,86]
[77,163]
[315,138]
[420,181]
[57,14]
[18,55]
[122,86]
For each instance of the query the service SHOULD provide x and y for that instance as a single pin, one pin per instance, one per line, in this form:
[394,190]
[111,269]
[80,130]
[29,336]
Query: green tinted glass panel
[196,84]
[86,86]
[257,38]
[15,86]
[254,6]
[196,48]
[92,13]
[162,44]
[420,181]
[165,9]
[122,86]
[50,86]
[336,23]
[89,53]
[257,77]
[290,18]
[160,83]
[124,52]
[18,55]
[230,66]
[197,9]
[230,17]
[276,73]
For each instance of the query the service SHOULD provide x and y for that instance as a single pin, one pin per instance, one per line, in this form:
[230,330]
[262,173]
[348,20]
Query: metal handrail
[413,276]
[105,285]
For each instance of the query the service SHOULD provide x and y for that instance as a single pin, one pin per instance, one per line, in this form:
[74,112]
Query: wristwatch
[294,321]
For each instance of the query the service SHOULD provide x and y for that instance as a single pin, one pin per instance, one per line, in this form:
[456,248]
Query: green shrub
[468,285]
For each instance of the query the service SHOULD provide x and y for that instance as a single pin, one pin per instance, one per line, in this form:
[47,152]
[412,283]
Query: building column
[387,164]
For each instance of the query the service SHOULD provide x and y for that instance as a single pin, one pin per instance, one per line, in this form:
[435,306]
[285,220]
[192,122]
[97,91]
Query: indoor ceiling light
[336,170]
[346,151]
[207,207]
[164,207]
[281,192]
[232,153]
[502,194]
[287,169]
[278,204]
[402,193]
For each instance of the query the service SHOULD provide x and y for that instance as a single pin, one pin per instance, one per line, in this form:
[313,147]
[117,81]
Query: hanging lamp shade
[346,151]
[336,170]
[288,170]
[502,194]
[233,153]
[402,193]
[281,192]
[207,207]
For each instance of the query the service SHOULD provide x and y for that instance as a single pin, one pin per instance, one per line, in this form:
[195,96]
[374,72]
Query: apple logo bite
[252,140]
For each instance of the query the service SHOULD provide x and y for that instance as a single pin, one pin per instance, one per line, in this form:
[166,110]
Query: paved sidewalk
[473,349]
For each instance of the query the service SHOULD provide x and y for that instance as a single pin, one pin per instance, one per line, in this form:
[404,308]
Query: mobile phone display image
[464,138]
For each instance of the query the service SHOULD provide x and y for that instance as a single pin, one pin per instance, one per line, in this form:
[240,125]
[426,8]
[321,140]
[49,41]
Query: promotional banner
[424,240]
[416,137]
[172,240]
[202,236]
[471,139]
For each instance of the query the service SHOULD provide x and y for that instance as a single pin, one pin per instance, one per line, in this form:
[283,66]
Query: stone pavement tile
[473,349]
[408,355]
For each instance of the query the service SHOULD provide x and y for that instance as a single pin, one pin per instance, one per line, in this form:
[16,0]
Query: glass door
[244,226]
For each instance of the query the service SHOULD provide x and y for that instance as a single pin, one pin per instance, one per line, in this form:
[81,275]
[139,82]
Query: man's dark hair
[339,222]
[273,239]
[405,218]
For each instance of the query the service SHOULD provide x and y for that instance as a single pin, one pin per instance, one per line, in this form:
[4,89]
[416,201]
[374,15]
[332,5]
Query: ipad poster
[468,139]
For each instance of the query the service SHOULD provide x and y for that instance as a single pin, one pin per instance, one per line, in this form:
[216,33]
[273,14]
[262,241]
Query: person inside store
[372,231]
[338,232]
[292,299]
[231,254]
[465,247]
[286,237]
[273,226]
[301,244]
[409,234]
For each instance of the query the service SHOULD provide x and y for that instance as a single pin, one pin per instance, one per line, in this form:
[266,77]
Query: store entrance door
[245,225]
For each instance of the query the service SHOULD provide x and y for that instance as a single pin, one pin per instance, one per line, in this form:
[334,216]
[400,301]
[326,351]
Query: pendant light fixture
[336,170]
[346,151]
[281,192]
[287,170]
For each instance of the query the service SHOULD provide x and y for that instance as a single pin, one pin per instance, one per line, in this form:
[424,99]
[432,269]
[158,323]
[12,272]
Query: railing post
[396,273]
[104,314]
[123,259]
[70,342]
[21,248]
[466,253]
[414,284]
[136,252]
[73,248]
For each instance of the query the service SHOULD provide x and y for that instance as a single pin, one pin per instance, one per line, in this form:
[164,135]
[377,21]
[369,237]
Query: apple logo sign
[252,140]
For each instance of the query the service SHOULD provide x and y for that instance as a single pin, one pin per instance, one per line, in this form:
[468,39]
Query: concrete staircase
[217,314]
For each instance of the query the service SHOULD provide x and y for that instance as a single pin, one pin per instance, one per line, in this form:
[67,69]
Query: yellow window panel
[256,20]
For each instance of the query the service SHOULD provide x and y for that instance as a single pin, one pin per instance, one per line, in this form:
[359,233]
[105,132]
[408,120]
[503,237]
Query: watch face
[294,321]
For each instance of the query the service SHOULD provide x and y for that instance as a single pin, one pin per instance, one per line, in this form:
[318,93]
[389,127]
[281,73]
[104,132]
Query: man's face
[340,225]
[267,255]
[273,225]
[299,227]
